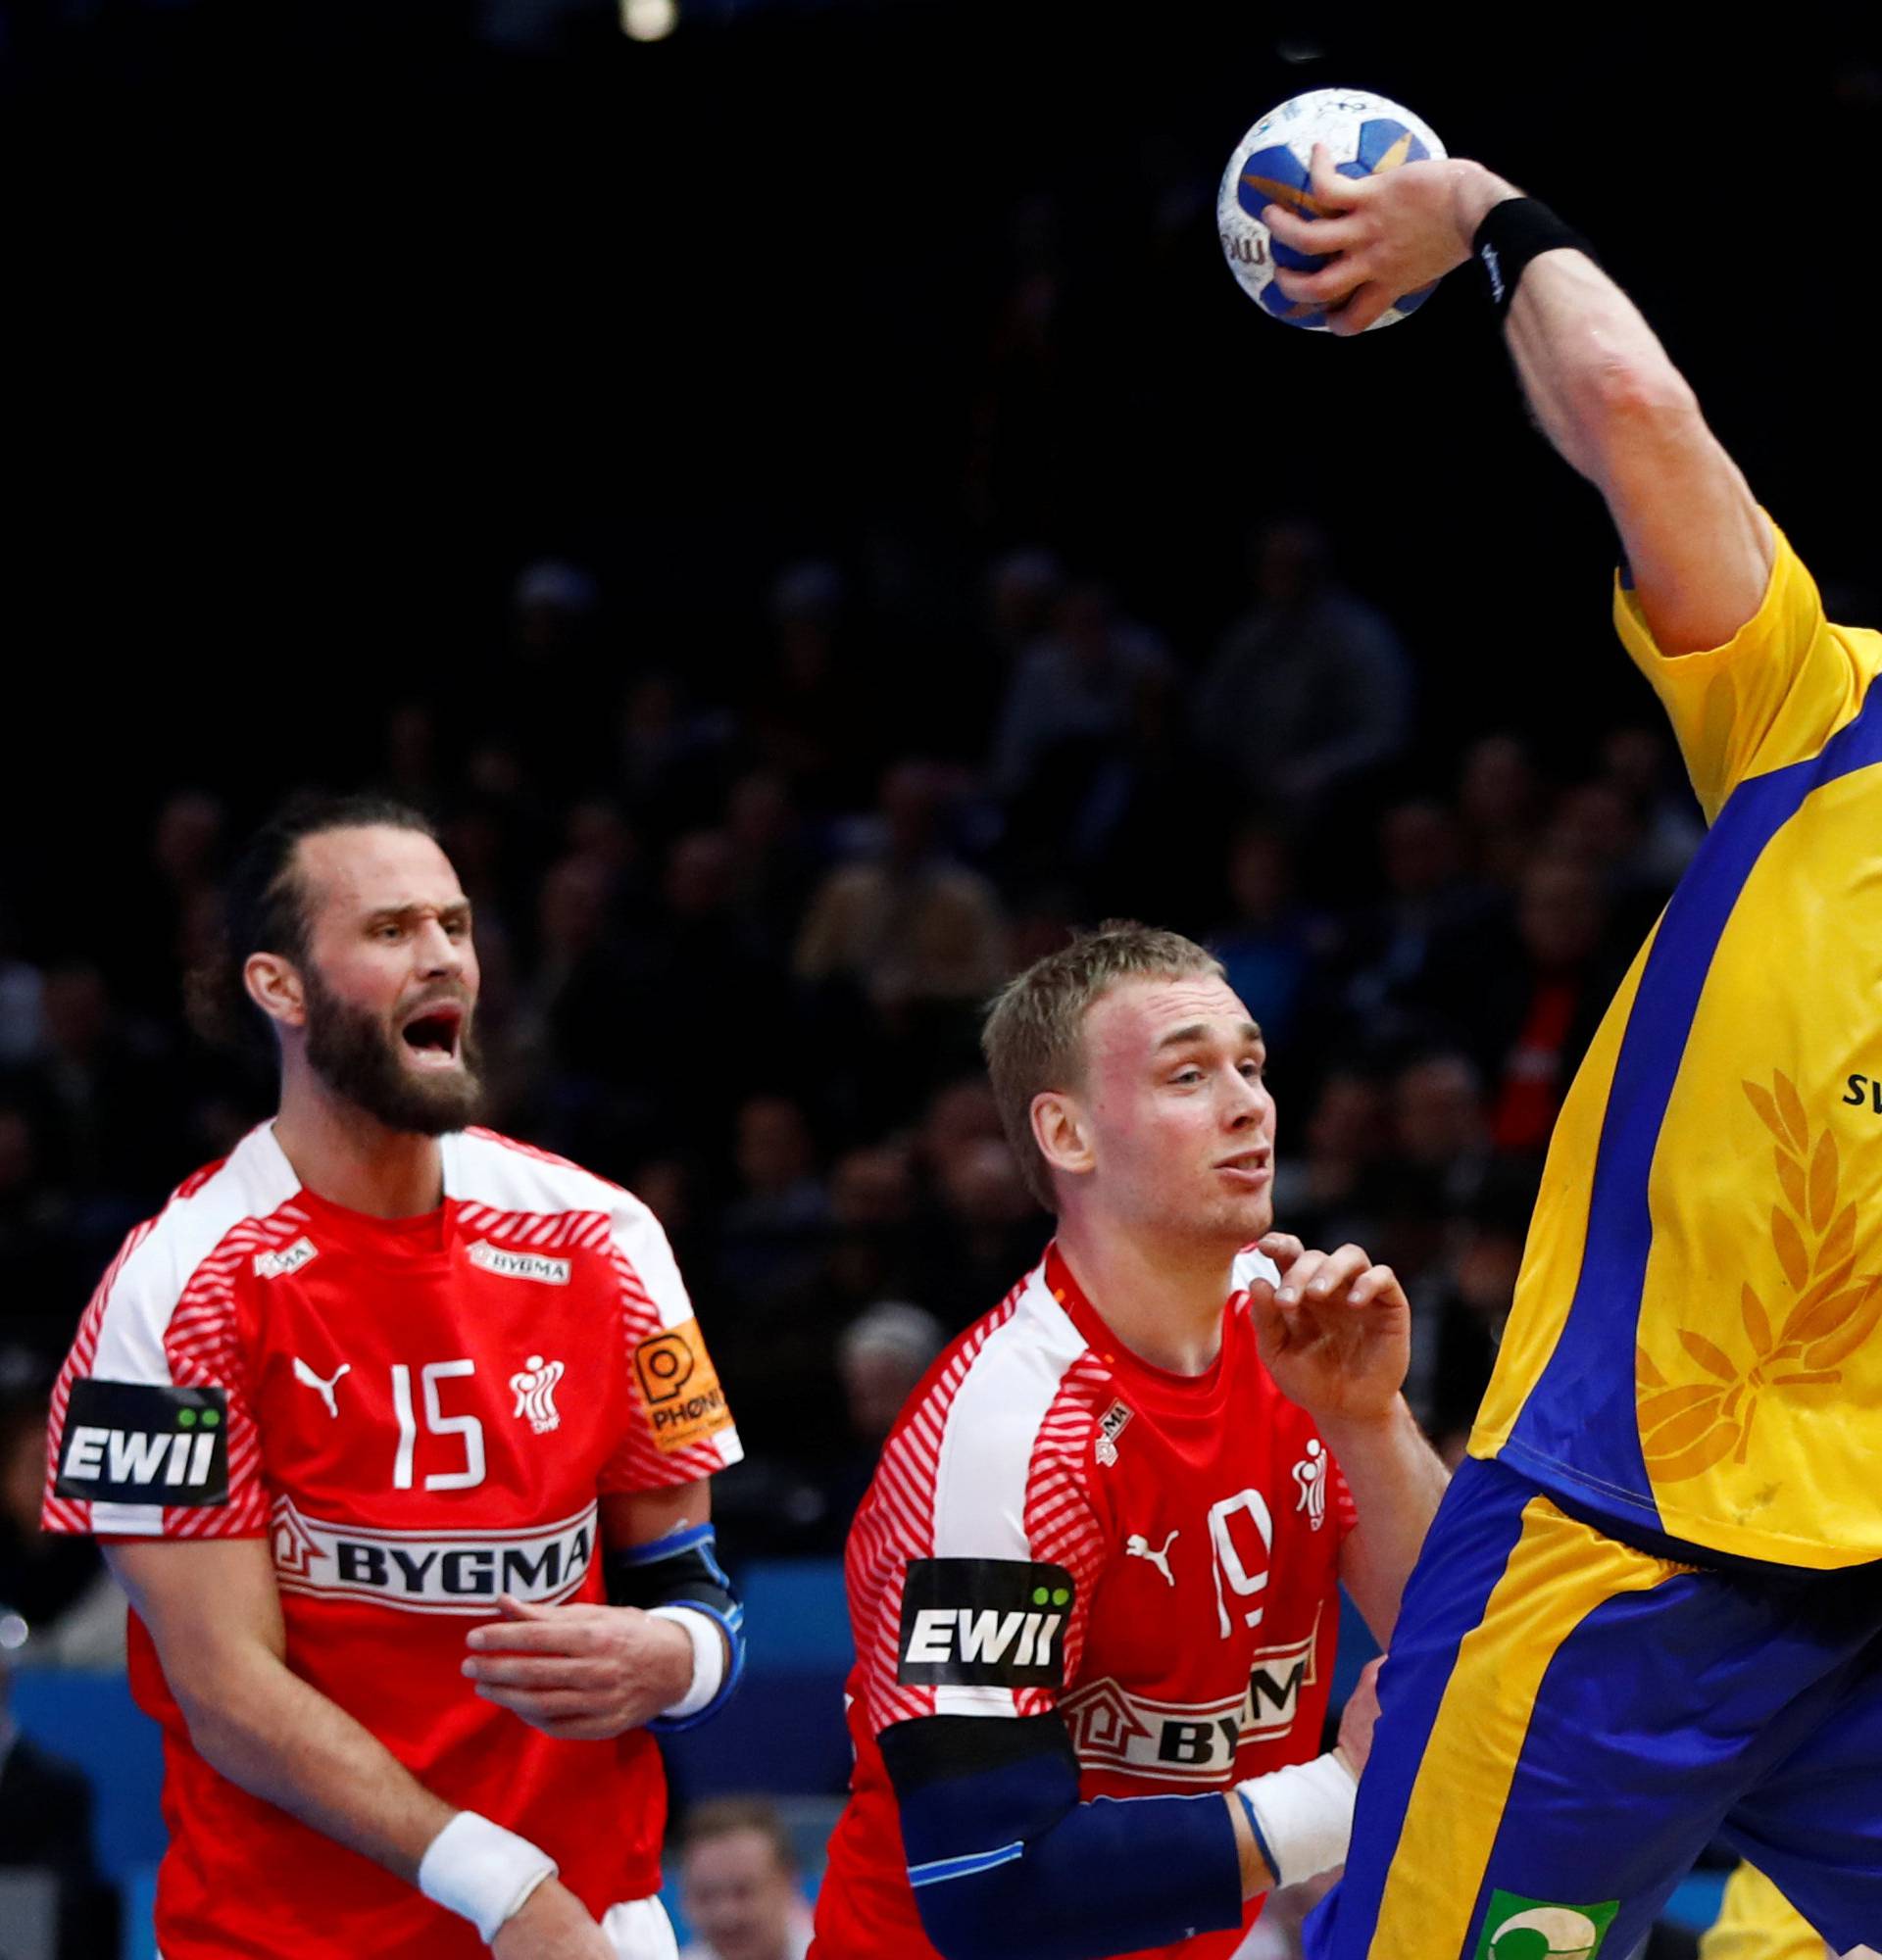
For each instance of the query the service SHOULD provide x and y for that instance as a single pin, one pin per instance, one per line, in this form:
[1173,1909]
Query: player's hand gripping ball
[1364,136]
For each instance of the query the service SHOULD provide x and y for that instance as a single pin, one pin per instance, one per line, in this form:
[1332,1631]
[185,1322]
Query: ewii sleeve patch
[680,1385]
[984,1623]
[142,1442]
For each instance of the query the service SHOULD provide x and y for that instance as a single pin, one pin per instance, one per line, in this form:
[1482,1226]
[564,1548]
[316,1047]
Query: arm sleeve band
[681,1570]
[1007,1864]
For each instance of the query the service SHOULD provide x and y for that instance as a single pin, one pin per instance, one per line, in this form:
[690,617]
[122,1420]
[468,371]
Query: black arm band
[1511,234]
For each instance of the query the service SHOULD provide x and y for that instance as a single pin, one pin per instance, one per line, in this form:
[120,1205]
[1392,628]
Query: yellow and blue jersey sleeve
[1691,1343]
[1772,695]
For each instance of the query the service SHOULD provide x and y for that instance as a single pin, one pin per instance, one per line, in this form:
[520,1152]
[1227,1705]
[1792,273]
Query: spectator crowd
[737,938]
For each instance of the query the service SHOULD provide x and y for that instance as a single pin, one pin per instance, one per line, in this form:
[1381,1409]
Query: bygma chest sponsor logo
[984,1623]
[1173,1742]
[420,1572]
[139,1442]
[512,1265]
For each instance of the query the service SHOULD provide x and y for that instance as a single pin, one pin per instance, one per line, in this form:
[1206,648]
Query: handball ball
[1364,136]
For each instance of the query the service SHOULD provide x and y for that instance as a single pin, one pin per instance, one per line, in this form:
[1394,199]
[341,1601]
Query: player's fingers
[1299,1277]
[1332,190]
[1282,1247]
[1270,1317]
[1331,286]
[551,1636]
[1338,1273]
[1319,235]
[513,1608]
[536,1671]
[1365,305]
[1377,1286]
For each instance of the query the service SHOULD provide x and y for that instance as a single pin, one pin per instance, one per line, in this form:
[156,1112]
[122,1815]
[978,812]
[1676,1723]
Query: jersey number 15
[436,1423]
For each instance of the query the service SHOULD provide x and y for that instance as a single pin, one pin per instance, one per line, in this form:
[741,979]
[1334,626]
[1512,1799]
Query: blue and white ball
[1364,136]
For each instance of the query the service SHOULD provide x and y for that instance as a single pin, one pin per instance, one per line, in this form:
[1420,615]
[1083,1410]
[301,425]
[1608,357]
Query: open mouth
[1250,1170]
[432,1035]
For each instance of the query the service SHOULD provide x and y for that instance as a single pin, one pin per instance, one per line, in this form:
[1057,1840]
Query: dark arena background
[803,505]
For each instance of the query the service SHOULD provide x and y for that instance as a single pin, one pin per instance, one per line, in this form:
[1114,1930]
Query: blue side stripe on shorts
[939,1869]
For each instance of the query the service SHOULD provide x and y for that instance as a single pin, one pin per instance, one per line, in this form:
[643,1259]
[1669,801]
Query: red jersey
[419,1414]
[1198,1522]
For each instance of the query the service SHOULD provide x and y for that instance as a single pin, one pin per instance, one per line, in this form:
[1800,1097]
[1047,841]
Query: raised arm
[1594,376]
[213,1610]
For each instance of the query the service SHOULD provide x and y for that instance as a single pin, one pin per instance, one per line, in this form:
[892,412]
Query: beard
[350,1052]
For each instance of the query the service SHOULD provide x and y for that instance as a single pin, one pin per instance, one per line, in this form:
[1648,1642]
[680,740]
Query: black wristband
[1511,234]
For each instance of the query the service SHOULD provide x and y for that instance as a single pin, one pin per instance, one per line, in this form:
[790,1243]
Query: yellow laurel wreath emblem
[1687,1428]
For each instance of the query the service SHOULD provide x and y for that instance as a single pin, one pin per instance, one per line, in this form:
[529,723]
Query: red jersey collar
[424,1235]
[1146,1377]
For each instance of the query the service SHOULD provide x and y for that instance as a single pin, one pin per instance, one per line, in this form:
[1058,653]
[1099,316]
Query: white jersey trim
[1251,1266]
[987,1443]
[256,1179]
[485,1169]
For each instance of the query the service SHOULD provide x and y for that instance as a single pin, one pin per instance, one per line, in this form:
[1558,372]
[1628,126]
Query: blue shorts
[1568,1719]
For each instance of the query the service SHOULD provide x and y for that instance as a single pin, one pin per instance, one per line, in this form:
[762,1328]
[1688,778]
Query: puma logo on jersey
[325,1389]
[1137,1545]
[289,1259]
[509,1265]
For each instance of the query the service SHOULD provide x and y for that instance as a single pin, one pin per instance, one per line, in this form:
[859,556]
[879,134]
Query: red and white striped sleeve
[152,1434]
[676,1427]
[679,1427]
[972,1562]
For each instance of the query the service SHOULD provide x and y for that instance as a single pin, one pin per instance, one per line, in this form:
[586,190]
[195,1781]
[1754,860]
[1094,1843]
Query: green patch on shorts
[1525,1929]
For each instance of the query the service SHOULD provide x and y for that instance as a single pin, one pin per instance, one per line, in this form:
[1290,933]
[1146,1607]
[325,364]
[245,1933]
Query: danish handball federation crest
[535,1386]
[1310,1473]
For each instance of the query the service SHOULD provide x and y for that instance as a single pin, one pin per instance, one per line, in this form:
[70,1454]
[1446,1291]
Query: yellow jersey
[1694,1344]
[1756,1921]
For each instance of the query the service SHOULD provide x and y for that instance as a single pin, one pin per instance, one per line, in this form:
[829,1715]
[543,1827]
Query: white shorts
[640,1931]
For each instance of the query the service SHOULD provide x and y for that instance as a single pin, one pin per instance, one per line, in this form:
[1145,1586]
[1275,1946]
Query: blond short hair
[1034,1035]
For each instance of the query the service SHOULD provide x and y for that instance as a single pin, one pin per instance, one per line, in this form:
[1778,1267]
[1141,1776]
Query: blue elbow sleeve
[683,1569]
[1007,1864]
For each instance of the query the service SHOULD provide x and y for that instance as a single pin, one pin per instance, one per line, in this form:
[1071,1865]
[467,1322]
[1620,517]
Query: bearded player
[1649,1611]
[1094,1584]
[397,1434]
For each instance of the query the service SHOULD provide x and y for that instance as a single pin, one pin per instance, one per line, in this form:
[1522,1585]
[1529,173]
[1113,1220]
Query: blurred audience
[73,1614]
[1072,691]
[1311,688]
[46,1826]
[736,946]
[739,1883]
